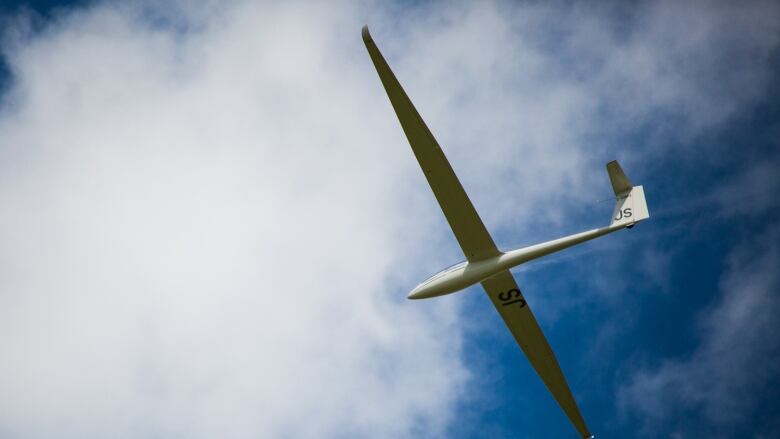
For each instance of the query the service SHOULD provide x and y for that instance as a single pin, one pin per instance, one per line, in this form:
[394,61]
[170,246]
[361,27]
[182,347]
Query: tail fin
[631,206]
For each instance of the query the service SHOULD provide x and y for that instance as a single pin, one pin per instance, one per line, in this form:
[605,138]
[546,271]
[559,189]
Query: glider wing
[508,300]
[469,230]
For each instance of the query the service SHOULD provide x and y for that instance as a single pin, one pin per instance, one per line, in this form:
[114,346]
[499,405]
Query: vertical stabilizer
[631,206]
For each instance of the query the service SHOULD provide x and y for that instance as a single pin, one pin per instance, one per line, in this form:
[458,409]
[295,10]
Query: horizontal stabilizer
[620,183]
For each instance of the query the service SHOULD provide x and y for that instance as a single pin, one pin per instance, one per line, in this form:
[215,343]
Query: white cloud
[198,238]
[210,216]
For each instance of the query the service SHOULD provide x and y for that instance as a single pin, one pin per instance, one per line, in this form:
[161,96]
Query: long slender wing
[469,230]
[509,302]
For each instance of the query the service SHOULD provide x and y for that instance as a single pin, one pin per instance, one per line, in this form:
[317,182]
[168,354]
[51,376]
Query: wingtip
[366,34]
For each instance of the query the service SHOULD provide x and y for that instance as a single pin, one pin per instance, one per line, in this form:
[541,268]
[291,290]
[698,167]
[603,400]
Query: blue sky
[187,186]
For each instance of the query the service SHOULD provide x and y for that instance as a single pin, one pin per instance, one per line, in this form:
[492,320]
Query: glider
[485,263]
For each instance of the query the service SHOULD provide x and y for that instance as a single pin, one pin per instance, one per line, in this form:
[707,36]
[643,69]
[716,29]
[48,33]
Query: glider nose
[424,291]
[415,294]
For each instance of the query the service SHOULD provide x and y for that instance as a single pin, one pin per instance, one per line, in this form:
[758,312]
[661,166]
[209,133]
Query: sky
[211,218]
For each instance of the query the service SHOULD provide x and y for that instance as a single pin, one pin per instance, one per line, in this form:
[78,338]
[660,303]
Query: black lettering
[509,295]
[627,212]
[521,301]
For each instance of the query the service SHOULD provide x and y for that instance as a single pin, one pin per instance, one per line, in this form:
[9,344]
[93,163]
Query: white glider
[485,263]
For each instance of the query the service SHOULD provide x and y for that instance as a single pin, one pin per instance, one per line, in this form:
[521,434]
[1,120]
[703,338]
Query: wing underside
[469,230]
[510,304]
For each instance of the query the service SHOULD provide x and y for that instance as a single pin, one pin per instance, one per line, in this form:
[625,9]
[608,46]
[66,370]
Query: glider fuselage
[466,274]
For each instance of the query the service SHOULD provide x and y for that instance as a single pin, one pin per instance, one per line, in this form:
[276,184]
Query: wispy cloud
[752,192]
[738,355]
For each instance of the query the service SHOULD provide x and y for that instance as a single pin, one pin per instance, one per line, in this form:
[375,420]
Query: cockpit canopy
[443,272]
